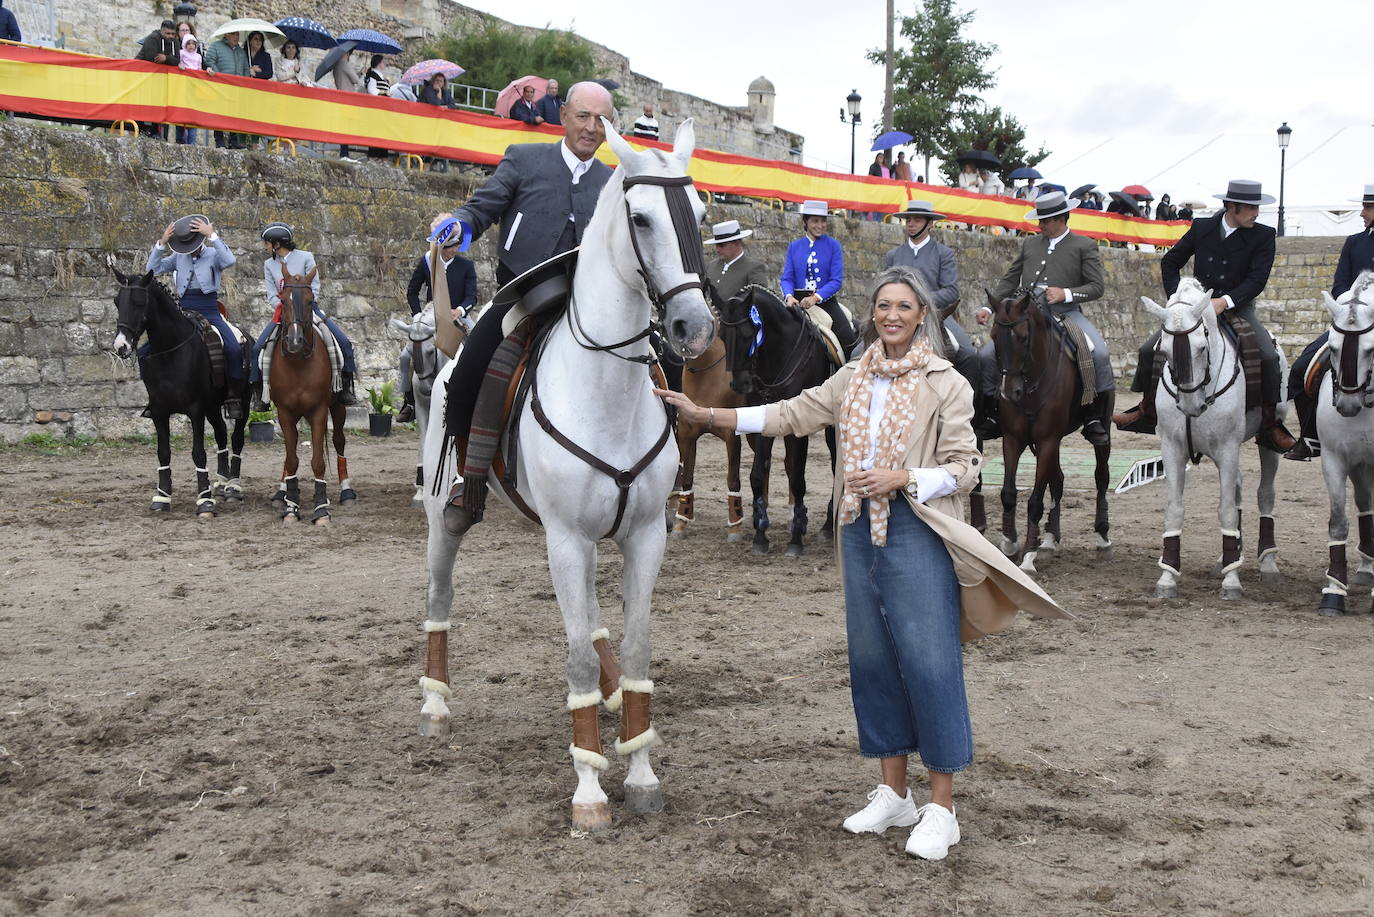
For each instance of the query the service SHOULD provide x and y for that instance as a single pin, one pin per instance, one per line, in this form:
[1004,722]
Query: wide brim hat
[542,285]
[1368,196]
[185,240]
[915,209]
[1243,191]
[728,231]
[1051,205]
[814,209]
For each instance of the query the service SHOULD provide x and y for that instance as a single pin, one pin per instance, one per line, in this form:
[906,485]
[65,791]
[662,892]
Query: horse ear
[119,275]
[1331,305]
[623,151]
[1153,307]
[684,142]
[310,275]
[147,278]
[993,301]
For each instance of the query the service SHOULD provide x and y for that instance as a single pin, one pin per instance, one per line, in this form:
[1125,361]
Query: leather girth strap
[623,479]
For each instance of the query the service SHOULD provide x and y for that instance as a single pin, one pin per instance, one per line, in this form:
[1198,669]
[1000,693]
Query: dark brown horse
[707,381]
[301,383]
[1039,400]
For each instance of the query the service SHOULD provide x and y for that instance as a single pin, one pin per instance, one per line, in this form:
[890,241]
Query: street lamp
[852,104]
[184,12]
[1285,132]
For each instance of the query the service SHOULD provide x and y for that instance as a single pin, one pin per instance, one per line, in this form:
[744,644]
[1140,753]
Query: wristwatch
[911,481]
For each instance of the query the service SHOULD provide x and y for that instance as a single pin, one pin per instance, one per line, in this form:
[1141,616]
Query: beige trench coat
[993,588]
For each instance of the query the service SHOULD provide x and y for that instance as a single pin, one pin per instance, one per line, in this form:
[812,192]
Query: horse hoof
[793,550]
[205,515]
[1271,577]
[433,726]
[234,493]
[290,519]
[159,507]
[1008,547]
[348,496]
[759,547]
[1104,544]
[1230,593]
[594,816]
[1332,606]
[321,520]
[278,496]
[679,534]
[734,538]
[1028,563]
[1166,592]
[644,800]
[1048,546]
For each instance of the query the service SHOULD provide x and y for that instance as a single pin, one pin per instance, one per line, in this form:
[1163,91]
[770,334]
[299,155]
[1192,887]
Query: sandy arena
[219,718]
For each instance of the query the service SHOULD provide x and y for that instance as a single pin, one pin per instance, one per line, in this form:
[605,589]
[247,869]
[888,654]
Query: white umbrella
[272,37]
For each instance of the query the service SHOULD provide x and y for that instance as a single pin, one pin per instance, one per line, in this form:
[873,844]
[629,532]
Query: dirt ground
[219,718]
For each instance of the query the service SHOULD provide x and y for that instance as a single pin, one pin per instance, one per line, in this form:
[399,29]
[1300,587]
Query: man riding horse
[279,243]
[1232,256]
[461,277]
[1357,255]
[199,256]
[1067,268]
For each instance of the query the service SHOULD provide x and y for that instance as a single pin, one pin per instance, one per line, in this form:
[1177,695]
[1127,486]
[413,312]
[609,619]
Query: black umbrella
[1128,203]
[983,159]
[336,54]
[1082,190]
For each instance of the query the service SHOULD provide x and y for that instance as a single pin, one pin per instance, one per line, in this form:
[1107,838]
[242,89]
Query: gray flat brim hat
[1054,204]
[1244,191]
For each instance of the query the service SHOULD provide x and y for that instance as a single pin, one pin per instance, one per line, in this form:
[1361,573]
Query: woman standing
[259,61]
[916,578]
[289,69]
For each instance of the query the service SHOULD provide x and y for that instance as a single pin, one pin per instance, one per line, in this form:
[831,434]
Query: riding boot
[346,396]
[1096,420]
[1308,447]
[1272,434]
[465,507]
[407,412]
[987,424]
[258,406]
[1141,418]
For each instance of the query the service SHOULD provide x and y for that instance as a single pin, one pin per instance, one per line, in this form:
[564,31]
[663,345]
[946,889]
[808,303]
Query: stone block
[80,338]
[14,404]
[19,371]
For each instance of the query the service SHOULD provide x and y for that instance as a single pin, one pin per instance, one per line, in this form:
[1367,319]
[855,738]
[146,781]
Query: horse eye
[639,220]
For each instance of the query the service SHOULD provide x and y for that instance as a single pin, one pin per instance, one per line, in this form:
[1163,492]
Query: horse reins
[297,293]
[1000,344]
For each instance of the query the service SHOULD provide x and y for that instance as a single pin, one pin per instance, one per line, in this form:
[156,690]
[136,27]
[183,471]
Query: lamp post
[1285,132]
[851,102]
[184,12]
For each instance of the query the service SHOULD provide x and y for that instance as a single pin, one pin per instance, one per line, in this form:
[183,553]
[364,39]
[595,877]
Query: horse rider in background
[813,272]
[461,277]
[199,256]
[279,243]
[1232,256]
[1068,268]
[1357,256]
[935,264]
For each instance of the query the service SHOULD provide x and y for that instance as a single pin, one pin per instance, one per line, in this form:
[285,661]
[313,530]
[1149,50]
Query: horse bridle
[1000,344]
[134,335]
[1349,365]
[689,248]
[296,294]
[1182,362]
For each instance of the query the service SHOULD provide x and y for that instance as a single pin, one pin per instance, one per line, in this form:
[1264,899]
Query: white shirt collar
[917,246]
[1226,227]
[576,166]
[731,261]
[1057,239]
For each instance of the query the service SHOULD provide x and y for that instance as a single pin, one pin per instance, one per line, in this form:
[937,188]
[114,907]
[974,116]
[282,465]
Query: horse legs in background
[1364,487]
[1046,468]
[794,450]
[226,485]
[205,500]
[441,552]
[338,415]
[162,497]
[734,502]
[1011,458]
[643,555]
[1051,538]
[1102,479]
[1268,547]
[758,483]
[685,511]
[290,488]
[977,508]
[1335,471]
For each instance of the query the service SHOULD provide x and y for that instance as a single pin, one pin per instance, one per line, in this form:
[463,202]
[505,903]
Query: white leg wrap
[590,699]
[1234,533]
[436,686]
[590,758]
[735,493]
[615,700]
[1178,533]
[601,633]
[1333,587]
[643,686]
[432,626]
[1368,512]
[1168,569]
[645,739]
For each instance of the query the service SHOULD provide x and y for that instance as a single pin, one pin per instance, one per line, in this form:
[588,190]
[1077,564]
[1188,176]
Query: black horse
[177,375]
[774,352]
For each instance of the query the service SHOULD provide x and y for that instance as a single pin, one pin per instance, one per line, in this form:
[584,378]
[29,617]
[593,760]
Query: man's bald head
[587,104]
[593,93]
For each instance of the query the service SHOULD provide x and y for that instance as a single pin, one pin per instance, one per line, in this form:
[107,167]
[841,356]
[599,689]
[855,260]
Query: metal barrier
[118,127]
[411,161]
[276,142]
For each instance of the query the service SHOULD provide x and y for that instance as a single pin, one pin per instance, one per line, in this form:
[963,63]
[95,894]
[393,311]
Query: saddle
[821,322]
[214,345]
[1080,348]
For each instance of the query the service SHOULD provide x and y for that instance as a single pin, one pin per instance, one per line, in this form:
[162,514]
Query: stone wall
[70,198]
[114,28]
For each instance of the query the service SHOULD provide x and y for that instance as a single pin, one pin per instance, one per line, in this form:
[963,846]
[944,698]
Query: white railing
[37,20]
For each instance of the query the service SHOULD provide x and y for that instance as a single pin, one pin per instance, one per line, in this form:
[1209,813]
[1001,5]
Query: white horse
[591,392]
[426,361]
[1345,426]
[1201,410]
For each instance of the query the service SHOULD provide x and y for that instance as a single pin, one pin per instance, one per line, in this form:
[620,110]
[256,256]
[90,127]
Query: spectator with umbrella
[1028,191]
[515,90]
[425,70]
[259,61]
[374,84]
[1088,199]
[549,105]
[436,92]
[523,108]
[306,33]
[288,69]
[879,167]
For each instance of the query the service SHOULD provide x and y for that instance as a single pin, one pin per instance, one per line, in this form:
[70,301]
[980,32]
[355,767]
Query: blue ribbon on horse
[757,322]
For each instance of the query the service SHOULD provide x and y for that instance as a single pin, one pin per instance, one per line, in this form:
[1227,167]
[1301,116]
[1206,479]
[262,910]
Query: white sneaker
[885,809]
[936,831]
[350,160]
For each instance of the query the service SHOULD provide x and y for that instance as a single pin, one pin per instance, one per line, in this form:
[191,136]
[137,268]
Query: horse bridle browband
[689,247]
[1349,365]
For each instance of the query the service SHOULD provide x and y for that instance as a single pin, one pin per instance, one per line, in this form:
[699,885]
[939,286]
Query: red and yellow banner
[61,84]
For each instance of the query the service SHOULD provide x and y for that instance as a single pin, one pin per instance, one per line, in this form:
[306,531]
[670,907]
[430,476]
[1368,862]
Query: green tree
[937,79]
[988,128]
[494,55]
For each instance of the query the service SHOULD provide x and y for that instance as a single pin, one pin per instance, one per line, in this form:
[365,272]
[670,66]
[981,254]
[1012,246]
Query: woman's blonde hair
[931,327]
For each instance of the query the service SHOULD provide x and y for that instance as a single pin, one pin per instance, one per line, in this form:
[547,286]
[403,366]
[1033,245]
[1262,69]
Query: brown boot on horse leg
[1141,418]
[1308,446]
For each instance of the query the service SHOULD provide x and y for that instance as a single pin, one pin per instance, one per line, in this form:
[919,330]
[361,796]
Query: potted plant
[260,425]
[382,401]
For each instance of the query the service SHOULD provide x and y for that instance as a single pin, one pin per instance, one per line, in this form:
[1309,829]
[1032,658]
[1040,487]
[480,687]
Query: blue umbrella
[306,33]
[889,140]
[371,41]
[1024,172]
[1047,186]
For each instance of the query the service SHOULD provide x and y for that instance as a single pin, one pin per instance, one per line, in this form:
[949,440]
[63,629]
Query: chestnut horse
[302,386]
[707,381]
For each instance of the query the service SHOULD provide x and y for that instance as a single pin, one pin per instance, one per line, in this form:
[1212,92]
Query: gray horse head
[1189,326]
[1352,348]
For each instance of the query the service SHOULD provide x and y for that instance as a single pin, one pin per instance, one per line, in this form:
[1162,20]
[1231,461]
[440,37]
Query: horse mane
[1190,288]
[1362,283]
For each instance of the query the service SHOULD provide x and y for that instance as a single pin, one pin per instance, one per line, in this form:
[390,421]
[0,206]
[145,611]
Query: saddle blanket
[331,347]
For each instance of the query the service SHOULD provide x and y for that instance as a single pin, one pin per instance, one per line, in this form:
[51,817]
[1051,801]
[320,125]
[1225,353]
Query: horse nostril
[679,329]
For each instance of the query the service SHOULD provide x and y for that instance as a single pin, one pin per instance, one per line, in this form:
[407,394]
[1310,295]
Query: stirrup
[1306,450]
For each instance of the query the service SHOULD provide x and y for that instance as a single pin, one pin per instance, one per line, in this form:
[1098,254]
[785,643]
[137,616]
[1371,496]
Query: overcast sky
[1119,93]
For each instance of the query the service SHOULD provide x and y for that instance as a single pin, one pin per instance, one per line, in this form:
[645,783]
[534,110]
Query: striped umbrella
[371,41]
[421,72]
[306,33]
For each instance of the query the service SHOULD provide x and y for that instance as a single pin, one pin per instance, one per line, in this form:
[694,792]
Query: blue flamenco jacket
[822,264]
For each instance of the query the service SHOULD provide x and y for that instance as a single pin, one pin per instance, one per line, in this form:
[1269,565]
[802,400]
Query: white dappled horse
[1201,410]
[640,254]
[426,361]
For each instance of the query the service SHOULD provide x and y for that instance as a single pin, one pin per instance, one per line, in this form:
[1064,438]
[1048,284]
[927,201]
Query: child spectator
[190,60]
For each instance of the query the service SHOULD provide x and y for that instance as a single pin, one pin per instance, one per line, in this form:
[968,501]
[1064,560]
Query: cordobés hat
[1368,196]
[1049,205]
[185,240]
[814,209]
[1243,191]
[919,209]
[728,231]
